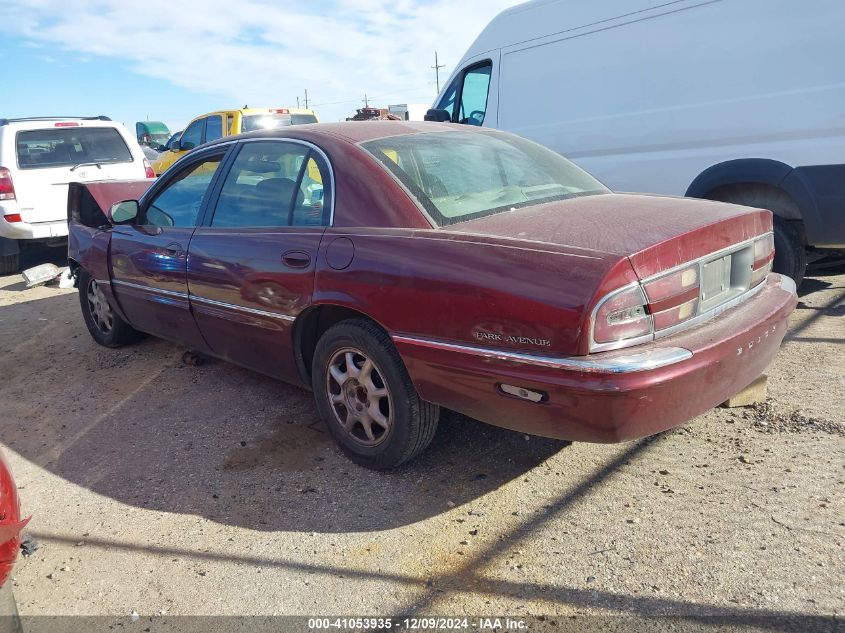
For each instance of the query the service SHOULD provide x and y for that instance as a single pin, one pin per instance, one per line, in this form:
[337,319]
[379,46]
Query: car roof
[38,122]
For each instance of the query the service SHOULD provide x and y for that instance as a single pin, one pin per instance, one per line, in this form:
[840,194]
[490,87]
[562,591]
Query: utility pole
[306,98]
[437,66]
[297,102]
[366,103]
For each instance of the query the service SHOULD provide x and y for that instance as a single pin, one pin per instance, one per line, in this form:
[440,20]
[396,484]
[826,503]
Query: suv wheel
[367,399]
[9,264]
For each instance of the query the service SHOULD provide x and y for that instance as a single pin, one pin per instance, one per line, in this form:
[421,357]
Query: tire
[104,324]
[382,399]
[790,255]
[9,264]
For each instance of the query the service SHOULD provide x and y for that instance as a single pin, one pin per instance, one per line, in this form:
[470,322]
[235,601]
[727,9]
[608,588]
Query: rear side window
[214,128]
[63,147]
[274,184]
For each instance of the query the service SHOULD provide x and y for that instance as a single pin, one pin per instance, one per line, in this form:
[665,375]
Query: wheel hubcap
[359,397]
[100,308]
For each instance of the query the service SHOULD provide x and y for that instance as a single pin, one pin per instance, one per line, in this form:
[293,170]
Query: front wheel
[104,324]
[367,399]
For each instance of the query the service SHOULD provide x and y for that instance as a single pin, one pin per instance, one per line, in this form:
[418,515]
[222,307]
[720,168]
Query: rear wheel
[366,398]
[790,255]
[9,264]
[104,324]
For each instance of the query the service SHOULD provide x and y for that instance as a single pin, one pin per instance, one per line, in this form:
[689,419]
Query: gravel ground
[158,487]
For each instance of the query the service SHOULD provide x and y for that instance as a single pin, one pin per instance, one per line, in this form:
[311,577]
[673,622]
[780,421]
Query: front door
[251,265]
[149,258]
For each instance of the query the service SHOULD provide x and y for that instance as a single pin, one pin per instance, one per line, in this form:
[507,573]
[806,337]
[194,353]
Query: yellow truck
[214,125]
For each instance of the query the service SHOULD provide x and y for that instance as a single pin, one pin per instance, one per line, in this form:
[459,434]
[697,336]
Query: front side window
[474,95]
[192,136]
[462,175]
[68,146]
[213,128]
[274,184]
[448,101]
[179,203]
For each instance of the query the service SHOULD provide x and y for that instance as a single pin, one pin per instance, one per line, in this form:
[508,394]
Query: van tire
[119,332]
[9,264]
[790,254]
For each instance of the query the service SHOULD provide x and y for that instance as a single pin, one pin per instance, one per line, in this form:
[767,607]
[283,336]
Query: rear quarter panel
[458,288]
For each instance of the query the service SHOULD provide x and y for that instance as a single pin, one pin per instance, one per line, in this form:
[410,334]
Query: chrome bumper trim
[618,364]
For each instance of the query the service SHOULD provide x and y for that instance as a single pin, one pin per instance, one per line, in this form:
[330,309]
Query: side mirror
[125,212]
[440,116]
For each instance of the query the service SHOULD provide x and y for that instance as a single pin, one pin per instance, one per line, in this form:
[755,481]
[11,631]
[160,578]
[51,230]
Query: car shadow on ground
[139,426]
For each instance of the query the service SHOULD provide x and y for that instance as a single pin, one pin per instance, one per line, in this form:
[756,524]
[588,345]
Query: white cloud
[266,53]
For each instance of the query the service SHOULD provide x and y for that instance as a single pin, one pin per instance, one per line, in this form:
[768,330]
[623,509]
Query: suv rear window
[62,147]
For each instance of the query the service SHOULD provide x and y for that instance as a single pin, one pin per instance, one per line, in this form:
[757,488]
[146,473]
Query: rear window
[463,175]
[272,121]
[63,147]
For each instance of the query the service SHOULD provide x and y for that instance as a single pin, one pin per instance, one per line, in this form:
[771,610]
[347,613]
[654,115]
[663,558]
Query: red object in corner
[10,521]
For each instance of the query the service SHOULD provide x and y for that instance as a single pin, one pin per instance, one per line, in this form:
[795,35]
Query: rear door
[251,265]
[149,258]
[73,151]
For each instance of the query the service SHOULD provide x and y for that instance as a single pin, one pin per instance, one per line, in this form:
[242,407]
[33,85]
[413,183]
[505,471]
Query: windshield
[274,120]
[63,147]
[461,175]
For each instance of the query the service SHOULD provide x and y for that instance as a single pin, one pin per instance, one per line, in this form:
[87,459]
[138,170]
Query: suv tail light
[764,256]
[148,169]
[7,188]
[10,521]
[621,316]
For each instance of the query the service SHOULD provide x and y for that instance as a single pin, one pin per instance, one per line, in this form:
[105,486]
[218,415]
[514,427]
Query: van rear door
[51,157]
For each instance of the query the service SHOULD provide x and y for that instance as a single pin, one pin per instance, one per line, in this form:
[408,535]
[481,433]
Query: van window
[448,101]
[474,95]
[62,147]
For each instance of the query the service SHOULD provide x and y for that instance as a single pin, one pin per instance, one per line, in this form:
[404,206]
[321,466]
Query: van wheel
[10,264]
[367,399]
[104,324]
[790,255]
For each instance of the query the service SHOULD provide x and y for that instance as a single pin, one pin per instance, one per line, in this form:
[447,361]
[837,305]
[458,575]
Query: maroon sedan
[396,268]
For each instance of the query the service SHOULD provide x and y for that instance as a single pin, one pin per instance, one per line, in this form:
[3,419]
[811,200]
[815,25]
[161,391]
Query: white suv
[39,157]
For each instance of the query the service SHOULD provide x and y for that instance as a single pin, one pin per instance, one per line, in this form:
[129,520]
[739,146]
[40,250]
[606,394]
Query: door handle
[296,259]
[174,249]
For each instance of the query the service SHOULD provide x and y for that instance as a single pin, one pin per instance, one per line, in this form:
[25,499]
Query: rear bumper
[612,396]
[36,231]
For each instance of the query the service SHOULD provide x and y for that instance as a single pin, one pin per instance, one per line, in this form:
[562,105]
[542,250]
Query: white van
[735,100]
[39,157]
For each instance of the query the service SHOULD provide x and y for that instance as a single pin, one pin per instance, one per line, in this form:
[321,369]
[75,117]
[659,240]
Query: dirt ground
[160,488]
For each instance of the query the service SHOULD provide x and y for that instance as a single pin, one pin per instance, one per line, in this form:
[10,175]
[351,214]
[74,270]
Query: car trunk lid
[656,233]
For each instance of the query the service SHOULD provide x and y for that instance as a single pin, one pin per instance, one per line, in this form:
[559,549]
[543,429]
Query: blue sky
[171,62]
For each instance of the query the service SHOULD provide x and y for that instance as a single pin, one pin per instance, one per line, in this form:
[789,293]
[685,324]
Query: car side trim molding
[212,302]
[237,308]
[617,364]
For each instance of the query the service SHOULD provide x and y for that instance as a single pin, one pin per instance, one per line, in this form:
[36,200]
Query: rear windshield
[62,147]
[461,175]
[274,120]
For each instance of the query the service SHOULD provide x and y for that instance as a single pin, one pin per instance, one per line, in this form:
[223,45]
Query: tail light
[764,256]
[148,169]
[280,111]
[7,188]
[13,217]
[621,316]
[673,298]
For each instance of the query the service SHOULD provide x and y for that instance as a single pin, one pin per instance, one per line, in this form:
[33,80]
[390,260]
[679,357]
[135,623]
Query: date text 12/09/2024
[420,623]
